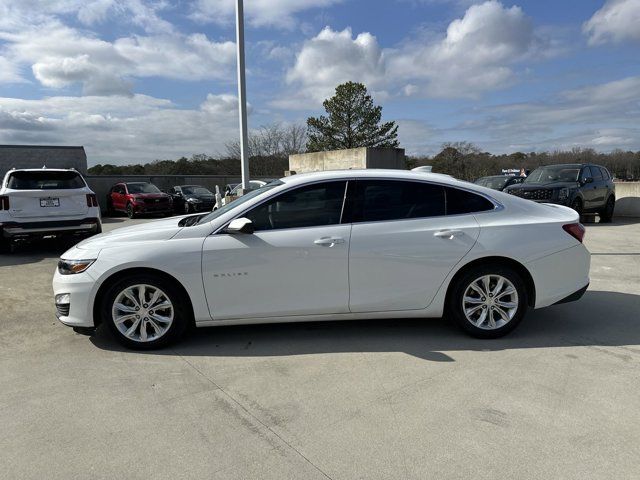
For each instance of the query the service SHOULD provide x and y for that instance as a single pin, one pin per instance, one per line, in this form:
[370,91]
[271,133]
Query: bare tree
[274,140]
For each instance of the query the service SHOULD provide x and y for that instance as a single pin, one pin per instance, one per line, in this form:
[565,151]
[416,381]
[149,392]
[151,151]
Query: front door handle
[450,234]
[328,241]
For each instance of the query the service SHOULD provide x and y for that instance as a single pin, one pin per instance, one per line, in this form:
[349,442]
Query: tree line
[353,120]
[466,161]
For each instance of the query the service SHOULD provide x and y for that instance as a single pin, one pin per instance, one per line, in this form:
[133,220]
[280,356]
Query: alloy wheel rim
[490,302]
[142,313]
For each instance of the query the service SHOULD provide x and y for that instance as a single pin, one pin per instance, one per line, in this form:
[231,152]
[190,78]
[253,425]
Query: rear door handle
[328,241]
[450,234]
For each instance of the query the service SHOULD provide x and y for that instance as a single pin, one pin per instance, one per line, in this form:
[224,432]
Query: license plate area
[49,202]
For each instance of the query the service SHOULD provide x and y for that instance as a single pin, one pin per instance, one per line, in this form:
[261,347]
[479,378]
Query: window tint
[596,174]
[379,200]
[605,173]
[586,173]
[44,180]
[308,206]
[462,201]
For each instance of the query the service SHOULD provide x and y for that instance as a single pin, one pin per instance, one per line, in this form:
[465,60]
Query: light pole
[242,96]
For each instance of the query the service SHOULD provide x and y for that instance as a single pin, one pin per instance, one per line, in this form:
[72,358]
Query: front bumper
[152,208]
[22,230]
[78,312]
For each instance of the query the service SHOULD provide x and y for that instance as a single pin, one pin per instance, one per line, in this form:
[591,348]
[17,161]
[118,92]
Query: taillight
[92,200]
[4,202]
[576,230]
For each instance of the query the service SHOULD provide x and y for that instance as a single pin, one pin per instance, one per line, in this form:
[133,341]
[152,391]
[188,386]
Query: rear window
[44,180]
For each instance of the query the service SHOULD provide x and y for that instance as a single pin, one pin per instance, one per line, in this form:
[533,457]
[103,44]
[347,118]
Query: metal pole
[242,95]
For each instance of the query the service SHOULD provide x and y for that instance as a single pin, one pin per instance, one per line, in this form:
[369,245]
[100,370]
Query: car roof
[377,173]
[44,169]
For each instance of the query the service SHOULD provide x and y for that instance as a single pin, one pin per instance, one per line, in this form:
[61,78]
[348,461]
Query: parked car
[192,198]
[352,244]
[37,203]
[137,198]
[499,182]
[585,188]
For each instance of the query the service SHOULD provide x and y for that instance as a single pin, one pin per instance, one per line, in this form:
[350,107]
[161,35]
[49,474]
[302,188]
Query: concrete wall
[351,158]
[101,184]
[627,199]
[36,156]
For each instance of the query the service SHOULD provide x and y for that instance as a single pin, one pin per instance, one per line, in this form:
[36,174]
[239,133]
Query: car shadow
[36,251]
[600,319]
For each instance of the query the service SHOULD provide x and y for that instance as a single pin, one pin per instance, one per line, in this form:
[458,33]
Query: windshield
[554,173]
[142,188]
[252,184]
[239,201]
[196,191]
[493,182]
[45,180]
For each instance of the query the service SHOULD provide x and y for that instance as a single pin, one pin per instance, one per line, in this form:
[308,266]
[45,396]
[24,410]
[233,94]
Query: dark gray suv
[584,187]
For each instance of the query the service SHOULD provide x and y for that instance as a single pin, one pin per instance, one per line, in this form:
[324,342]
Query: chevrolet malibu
[343,245]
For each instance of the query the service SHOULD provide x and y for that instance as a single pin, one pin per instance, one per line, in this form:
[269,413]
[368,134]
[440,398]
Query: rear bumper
[574,296]
[559,276]
[18,230]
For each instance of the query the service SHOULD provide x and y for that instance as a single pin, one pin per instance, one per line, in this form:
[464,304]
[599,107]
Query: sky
[139,80]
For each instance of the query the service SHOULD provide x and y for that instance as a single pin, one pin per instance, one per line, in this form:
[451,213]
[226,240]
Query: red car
[136,198]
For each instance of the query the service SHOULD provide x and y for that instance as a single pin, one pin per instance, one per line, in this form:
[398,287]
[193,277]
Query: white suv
[37,203]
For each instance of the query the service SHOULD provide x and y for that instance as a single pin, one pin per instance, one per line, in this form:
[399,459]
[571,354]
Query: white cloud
[17,14]
[65,56]
[9,72]
[477,54]
[603,116]
[122,129]
[616,21]
[259,13]
[334,57]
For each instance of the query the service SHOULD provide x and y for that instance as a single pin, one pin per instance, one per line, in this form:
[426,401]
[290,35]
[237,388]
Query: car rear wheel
[130,211]
[145,312]
[606,215]
[488,301]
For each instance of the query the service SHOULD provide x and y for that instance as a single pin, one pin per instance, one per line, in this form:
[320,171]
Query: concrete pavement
[558,398]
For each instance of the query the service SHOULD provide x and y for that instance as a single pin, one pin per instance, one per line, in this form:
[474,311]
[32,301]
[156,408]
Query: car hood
[162,229]
[531,186]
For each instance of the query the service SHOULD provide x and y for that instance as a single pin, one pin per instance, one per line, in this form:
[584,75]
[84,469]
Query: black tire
[577,206]
[455,307]
[5,244]
[130,211]
[110,211]
[606,215]
[181,313]
[187,207]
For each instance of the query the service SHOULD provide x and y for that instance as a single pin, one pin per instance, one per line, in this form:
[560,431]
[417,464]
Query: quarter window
[605,173]
[596,173]
[462,201]
[380,200]
[309,206]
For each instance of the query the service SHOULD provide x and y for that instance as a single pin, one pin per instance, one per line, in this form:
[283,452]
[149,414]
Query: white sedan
[342,245]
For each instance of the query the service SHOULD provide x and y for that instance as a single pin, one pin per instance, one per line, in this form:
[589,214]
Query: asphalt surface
[558,398]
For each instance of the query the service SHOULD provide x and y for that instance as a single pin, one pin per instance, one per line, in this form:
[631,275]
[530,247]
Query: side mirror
[586,180]
[240,225]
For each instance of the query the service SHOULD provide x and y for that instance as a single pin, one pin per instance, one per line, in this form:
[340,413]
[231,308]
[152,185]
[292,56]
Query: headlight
[71,267]
[194,200]
[563,193]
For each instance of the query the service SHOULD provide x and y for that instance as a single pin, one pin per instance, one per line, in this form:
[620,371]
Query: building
[37,156]
[350,158]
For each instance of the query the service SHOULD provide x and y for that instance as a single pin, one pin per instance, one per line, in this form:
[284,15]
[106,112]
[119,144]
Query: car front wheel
[488,302]
[131,213]
[145,312]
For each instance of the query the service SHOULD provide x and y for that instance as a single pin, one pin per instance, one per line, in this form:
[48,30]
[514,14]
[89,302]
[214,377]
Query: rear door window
[385,200]
[605,173]
[45,180]
[596,173]
[462,201]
